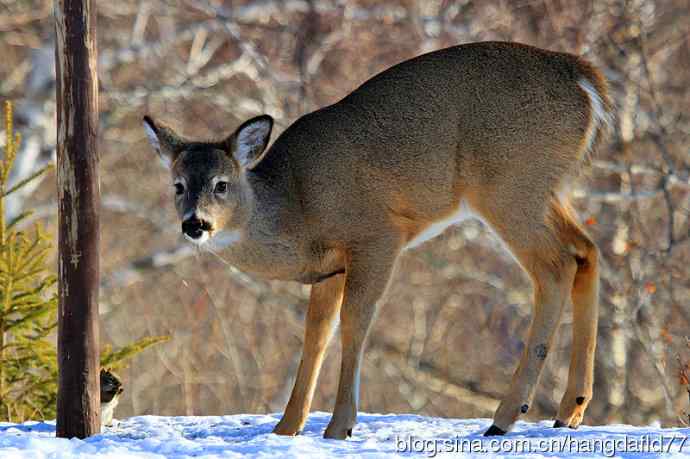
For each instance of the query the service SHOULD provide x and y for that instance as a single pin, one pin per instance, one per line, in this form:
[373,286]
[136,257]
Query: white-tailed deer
[492,130]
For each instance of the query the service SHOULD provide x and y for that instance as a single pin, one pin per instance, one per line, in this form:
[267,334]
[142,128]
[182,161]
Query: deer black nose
[195,227]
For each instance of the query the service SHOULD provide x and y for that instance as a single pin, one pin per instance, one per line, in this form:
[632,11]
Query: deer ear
[250,140]
[164,141]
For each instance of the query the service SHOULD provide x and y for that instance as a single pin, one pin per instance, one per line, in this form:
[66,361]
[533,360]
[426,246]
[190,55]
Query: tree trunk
[78,405]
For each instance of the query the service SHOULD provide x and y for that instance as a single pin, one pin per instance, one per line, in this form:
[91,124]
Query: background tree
[79,199]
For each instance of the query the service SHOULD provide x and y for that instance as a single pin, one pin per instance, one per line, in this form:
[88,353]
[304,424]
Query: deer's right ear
[163,139]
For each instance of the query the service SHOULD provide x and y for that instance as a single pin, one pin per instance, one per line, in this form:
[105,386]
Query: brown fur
[501,128]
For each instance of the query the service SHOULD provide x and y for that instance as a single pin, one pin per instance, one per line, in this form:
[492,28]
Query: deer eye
[221,187]
[179,188]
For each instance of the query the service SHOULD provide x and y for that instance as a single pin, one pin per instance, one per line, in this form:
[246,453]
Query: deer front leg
[368,274]
[324,305]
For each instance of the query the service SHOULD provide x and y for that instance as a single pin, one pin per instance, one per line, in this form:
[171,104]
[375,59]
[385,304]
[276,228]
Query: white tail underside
[599,116]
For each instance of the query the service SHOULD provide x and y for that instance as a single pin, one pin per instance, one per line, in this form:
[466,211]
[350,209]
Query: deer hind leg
[324,305]
[585,297]
[533,235]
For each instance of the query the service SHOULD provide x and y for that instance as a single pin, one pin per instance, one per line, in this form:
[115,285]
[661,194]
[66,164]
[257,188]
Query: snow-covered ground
[376,435]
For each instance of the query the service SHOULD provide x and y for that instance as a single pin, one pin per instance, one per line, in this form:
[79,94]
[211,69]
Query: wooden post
[78,404]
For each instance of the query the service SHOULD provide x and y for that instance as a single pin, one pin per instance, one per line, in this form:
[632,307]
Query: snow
[376,435]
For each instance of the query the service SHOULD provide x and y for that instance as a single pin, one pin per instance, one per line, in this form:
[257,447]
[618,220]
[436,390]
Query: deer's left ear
[249,141]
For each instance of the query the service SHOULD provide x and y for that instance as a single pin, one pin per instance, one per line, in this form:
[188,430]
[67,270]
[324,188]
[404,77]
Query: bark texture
[78,413]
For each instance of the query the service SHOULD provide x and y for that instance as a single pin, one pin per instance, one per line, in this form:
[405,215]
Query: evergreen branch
[117,359]
[35,314]
[28,180]
[19,218]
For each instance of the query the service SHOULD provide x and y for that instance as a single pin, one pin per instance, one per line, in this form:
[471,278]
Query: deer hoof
[337,433]
[493,431]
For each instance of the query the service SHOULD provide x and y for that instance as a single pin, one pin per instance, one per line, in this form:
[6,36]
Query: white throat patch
[198,241]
